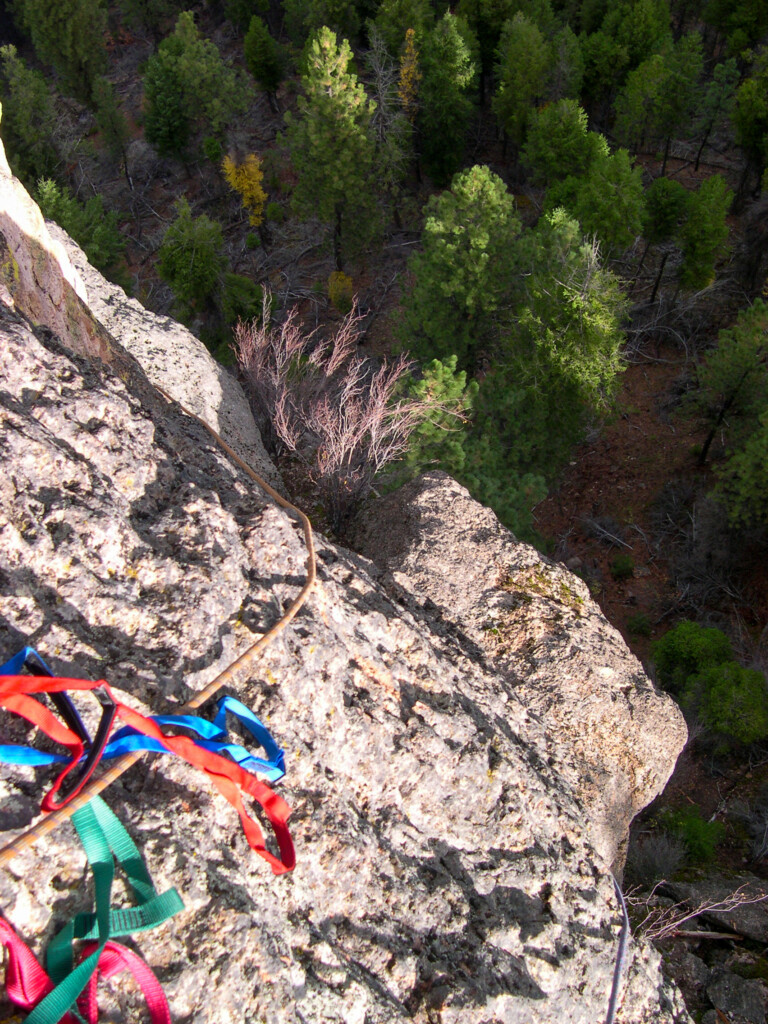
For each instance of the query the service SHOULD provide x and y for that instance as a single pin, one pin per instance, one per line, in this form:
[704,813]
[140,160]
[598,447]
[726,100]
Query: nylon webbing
[105,842]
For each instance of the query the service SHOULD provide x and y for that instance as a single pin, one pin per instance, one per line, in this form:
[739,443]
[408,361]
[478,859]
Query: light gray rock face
[48,279]
[537,625]
[443,870]
[173,359]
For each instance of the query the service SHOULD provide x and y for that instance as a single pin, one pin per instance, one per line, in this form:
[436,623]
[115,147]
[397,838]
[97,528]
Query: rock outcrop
[444,869]
[537,625]
[47,277]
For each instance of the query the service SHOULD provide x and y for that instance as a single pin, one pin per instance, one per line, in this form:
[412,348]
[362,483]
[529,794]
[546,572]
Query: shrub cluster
[697,664]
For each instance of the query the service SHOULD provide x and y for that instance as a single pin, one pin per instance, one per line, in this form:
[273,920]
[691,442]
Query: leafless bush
[754,817]
[709,559]
[607,530]
[656,856]
[660,918]
[671,513]
[344,417]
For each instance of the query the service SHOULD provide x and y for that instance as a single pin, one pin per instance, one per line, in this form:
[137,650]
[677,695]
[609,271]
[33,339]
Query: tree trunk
[337,238]
[666,155]
[639,267]
[703,144]
[720,417]
[664,259]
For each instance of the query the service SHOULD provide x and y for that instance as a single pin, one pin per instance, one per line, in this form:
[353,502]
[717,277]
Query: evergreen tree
[733,396]
[607,199]
[28,120]
[167,121]
[569,320]
[94,229]
[605,64]
[743,23]
[264,57]
[750,116]
[440,440]
[661,95]
[192,257]
[558,143]
[305,18]
[395,17]
[733,379]
[242,12]
[704,233]
[448,75]
[464,275]
[331,142]
[524,60]
[110,120]
[665,209]
[151,14]
[641,27]
[187,79]
[567,71]
[68,34]
[717,101]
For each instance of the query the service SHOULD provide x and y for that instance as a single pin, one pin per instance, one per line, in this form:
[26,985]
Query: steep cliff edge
[538,626]
[47,277]
[444,870]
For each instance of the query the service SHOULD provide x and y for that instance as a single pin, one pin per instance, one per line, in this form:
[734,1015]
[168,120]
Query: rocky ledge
[536,624]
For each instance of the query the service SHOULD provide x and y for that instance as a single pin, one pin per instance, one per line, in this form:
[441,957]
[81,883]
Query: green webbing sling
[105,841]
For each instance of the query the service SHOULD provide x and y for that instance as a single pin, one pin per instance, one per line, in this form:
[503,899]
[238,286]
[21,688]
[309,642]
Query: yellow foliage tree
[410,76]
[245,179]
[340,291]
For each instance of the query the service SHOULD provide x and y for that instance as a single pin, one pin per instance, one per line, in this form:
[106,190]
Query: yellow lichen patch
[542,581]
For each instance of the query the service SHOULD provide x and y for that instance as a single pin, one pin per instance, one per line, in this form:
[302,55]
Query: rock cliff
[445,869]
[536,625]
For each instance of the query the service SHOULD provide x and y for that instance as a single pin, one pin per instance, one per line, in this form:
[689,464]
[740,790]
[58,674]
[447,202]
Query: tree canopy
[331,140]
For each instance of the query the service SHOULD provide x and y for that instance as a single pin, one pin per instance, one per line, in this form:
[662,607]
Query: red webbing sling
[229,778]
[27,983]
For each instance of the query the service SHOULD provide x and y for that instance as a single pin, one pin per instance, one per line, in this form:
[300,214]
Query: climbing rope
[621,955]
[52,821]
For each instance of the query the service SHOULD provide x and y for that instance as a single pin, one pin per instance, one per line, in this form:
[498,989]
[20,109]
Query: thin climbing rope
[51,822]
[621,955]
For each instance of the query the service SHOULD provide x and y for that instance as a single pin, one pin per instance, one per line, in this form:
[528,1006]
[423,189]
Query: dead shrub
[343,417]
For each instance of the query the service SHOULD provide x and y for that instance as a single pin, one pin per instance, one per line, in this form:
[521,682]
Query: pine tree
[187,79]
[395,18]
[192,257]
[449,73]
[109,118]
[264,57]
[661,95]
[704,233]
[28,121]
[464,275]
[607,199]
[750,117]
[331,143]
[524,59]
[150,14]
[69,34]
[558,143]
